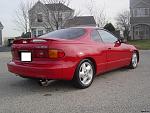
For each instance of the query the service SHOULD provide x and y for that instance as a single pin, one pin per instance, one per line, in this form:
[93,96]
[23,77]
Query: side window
[95,36]
[107,37]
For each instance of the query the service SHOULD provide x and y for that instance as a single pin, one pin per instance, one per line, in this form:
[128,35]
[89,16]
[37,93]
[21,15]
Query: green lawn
[141,44]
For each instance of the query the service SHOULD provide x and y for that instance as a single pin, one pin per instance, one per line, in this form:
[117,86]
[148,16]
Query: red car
[77,54]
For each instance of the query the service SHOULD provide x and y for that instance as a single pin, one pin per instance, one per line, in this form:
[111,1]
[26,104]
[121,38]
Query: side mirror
[117,43]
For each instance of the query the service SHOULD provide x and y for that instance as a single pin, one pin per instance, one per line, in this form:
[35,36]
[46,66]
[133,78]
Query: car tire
[134,61]
[84,74]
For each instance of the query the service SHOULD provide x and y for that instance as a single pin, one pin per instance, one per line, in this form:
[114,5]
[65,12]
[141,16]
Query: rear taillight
[43,53]
[48,53]
[55,53]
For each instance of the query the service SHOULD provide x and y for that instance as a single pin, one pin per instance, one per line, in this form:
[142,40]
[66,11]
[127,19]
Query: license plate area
[25,56]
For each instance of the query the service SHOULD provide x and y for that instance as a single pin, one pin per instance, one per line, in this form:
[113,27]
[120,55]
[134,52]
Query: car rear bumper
[55,72]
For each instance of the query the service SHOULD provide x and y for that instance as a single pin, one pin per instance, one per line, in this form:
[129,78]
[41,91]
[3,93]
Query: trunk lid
[37,47]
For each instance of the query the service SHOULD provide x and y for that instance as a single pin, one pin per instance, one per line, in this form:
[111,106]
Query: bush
[110,27]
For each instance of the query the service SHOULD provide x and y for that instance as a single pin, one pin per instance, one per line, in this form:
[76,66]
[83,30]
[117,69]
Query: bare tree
[22,18]
[99,14]
[56,17]
[123,23]
[77,13]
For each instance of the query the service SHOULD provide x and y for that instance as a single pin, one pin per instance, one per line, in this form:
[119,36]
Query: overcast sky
[8,7]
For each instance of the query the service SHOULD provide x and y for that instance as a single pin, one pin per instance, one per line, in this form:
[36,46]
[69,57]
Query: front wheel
[84,74]
[134,61]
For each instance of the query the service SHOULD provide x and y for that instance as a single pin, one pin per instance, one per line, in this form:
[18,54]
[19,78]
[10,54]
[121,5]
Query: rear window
[70,33]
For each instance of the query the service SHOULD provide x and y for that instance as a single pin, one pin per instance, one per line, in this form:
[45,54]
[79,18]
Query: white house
[48,17]
[140,19]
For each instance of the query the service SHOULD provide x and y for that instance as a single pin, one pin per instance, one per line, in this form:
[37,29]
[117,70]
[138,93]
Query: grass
[141,44]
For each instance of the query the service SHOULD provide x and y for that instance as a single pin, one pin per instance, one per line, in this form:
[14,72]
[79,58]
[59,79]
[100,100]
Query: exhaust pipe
[44,82]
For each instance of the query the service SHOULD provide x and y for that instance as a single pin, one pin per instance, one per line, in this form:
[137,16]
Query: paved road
[121,91]
[5,49]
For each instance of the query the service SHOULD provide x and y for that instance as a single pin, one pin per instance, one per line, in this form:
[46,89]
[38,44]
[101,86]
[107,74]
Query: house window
[48,30]
[39,18]
[33,32]
[135,13]
[40,32]
[146,11]
[147,31]
[141,12]
[136,32]
[60,19]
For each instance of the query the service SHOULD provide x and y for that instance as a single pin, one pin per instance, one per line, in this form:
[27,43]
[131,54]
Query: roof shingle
[80,21]
[1,26]
[58,7]
[134,2]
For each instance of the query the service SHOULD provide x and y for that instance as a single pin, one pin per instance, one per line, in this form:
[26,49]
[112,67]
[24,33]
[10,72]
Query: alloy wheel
[134,60]
[86,73]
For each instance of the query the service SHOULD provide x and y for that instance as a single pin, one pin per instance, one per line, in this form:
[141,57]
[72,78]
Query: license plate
[26,56]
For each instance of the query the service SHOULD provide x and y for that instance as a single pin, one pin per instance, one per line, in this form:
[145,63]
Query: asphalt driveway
[120,91]
[5,49]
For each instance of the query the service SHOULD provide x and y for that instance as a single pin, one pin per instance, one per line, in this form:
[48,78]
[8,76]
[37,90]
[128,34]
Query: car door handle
[109,48]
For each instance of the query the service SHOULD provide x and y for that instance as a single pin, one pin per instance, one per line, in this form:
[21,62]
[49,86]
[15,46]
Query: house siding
[39,8]
[45,26]
[141,20]
[140,26]
[1,28]
[0,37]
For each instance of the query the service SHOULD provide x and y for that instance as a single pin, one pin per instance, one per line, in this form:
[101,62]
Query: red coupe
[76,54]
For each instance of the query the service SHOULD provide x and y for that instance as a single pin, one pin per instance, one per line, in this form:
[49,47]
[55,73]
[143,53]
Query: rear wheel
[134,61]
[84,74]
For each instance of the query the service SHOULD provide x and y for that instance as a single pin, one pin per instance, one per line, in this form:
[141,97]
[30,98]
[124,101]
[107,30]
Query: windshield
[69,33]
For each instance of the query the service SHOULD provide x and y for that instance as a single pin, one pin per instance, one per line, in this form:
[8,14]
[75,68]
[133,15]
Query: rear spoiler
[29,41]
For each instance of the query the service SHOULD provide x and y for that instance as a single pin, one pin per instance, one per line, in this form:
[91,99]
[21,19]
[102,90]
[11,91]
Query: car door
[99,47]
[117,53]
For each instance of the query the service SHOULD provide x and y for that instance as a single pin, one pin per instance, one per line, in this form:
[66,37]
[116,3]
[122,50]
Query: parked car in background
[76,54]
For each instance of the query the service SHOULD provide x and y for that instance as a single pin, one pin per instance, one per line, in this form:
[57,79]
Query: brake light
[48,53]
[54,53]
[41,53]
